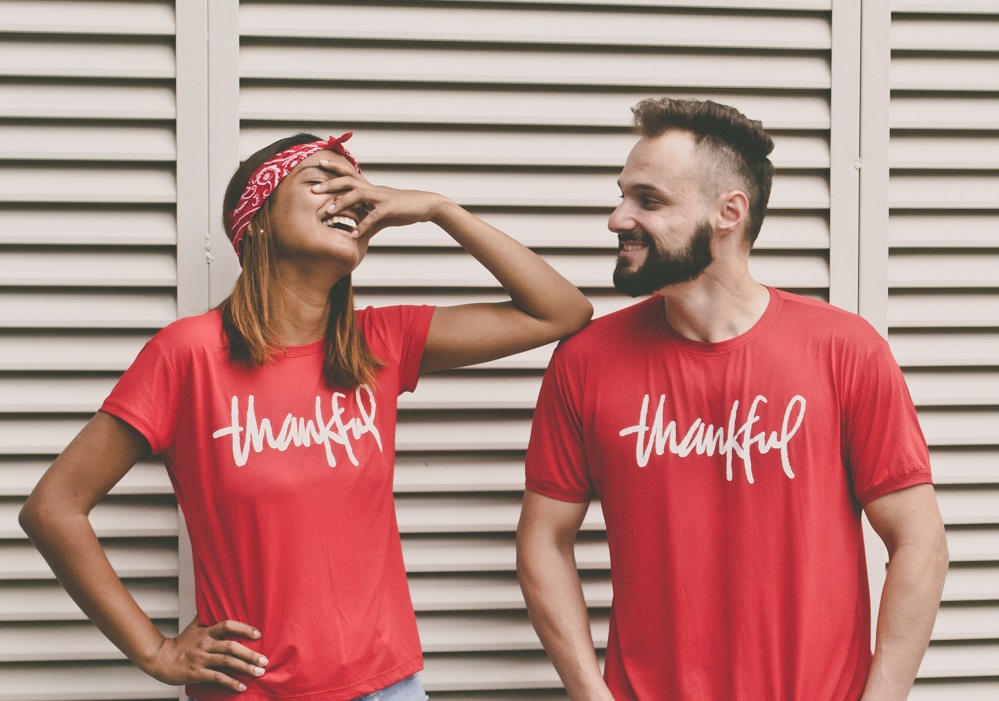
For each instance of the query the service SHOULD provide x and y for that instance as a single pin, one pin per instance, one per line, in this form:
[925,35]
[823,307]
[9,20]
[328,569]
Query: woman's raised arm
[543,306]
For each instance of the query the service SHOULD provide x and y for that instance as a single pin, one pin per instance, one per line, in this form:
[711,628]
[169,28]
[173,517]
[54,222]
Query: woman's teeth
[340,222]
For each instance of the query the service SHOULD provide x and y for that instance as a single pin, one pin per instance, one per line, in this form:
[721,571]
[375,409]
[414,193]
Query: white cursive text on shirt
[300,431]
[702,438]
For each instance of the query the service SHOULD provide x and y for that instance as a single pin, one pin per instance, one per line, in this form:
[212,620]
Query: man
[733,434]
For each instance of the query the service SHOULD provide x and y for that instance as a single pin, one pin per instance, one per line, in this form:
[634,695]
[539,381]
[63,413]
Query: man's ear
[732,212]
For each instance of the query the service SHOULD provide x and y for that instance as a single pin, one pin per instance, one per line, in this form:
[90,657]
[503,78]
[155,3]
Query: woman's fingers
[244,659]
[341,169]
[206,653]
[348,195]
[222,660]
[240,652]
[356,201]
[227,629]
[347,200]
[341,184]
[382,206]
[214,676]
[218,654]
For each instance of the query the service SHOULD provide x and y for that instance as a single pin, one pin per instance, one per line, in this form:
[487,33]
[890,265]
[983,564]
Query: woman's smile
[340,222]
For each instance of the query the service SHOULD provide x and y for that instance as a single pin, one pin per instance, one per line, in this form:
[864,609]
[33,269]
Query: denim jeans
[409,689]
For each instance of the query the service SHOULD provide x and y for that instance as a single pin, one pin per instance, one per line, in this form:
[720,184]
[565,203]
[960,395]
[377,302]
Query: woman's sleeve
[146,396]
[401,331]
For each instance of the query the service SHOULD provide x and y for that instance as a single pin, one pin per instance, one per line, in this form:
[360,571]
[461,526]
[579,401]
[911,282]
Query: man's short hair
[731,144]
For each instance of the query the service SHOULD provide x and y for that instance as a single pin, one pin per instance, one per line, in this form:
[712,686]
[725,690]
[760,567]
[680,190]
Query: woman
[275,415]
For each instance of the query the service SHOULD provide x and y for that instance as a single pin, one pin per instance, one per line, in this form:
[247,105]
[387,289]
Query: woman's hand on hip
[208,654]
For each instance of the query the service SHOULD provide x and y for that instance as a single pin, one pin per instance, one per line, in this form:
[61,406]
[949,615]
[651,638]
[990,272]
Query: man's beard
[662,268]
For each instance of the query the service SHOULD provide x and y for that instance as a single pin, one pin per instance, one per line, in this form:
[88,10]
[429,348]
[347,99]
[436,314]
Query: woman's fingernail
[262,661]
[315,188]
[242,686]
[258,670]
[256,633]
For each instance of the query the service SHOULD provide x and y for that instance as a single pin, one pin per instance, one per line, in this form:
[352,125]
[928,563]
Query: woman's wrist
[146,657]
[444,211]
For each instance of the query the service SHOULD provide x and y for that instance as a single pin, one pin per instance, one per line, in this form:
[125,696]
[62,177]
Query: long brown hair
[246,313]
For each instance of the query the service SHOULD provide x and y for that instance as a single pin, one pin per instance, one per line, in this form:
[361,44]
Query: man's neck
[715,308]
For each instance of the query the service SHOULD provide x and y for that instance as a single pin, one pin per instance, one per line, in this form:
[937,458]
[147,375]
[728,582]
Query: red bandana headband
[268,176]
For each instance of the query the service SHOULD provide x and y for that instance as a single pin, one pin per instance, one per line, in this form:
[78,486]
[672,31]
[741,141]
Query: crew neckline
[661,323]
[312,348]
[307,349]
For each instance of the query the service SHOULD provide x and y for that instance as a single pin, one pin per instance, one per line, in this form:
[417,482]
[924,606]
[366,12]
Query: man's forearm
[554,596]
[909,603]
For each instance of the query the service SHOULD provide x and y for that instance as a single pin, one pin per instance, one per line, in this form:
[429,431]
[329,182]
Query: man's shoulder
[816,318]
[611,330]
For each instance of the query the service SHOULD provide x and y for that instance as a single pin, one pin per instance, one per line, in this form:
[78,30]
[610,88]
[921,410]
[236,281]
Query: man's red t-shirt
[731,477]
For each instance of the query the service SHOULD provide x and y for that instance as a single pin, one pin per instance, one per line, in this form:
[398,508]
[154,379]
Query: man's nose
[621,219]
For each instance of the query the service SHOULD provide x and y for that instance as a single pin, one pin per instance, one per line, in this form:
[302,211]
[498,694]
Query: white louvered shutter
[87,274]
[943,308]
[521,112]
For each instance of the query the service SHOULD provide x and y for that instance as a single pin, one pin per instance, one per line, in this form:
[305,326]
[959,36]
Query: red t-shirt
[286,486]
[731,477]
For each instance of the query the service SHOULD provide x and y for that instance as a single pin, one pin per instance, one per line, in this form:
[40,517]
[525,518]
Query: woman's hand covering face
[383,206]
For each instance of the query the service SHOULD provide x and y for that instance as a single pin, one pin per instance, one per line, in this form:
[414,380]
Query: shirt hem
[554,493]
[422,330]
[383,680]
[135,422]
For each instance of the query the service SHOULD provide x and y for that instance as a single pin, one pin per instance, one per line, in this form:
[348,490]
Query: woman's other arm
[56,518]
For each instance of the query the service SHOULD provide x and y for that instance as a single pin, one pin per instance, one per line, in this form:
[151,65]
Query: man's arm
[546,565]
[909,523]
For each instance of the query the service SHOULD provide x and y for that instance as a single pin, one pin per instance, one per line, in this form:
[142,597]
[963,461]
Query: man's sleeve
[886,449]
[556,463]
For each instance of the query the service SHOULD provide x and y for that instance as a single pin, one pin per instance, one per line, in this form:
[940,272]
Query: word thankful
[300,431]
[734,440]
